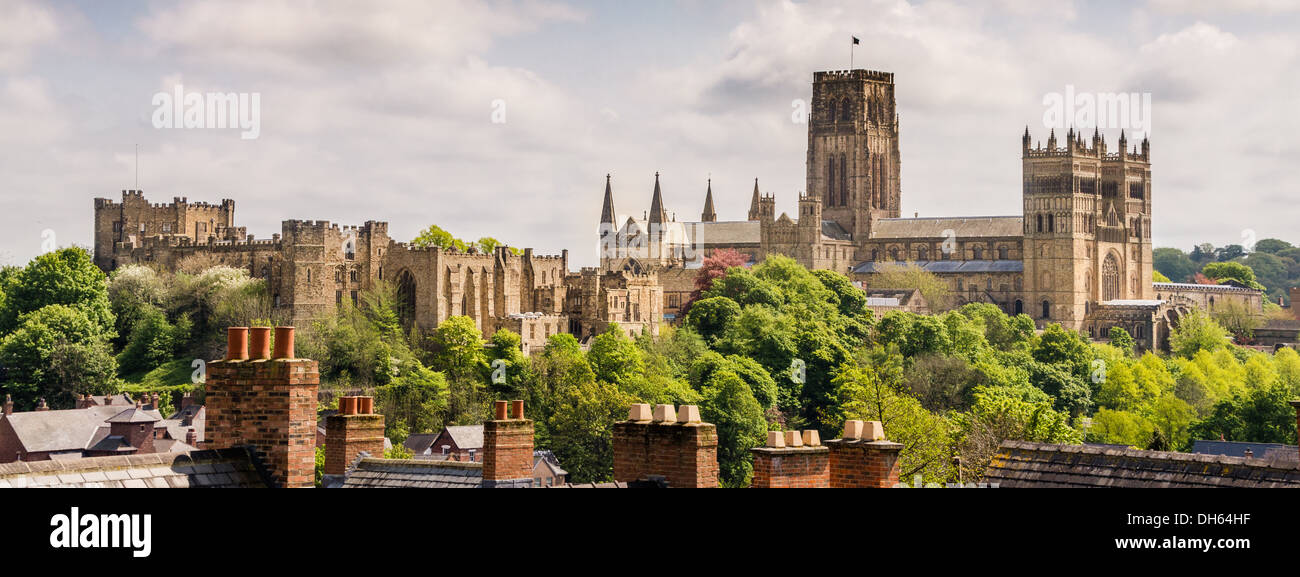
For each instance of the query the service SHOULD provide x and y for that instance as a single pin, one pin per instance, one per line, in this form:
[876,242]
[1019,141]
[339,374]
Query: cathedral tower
[853,160]
[1087,226]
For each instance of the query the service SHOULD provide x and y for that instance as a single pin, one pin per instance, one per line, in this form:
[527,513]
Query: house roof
[420,442]
[467,436]
[549,460]
[134,415]
[1024,464]
[62,430]
[220,468]
[413,473]
[963,227]
[1238,449]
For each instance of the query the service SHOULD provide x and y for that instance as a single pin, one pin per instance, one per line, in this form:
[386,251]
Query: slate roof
[413,473]
[833,231]
[134,415]
[951,266]
[963,226]
[550,460]
[62,430]
[418,443]
[225,468]
[1267,451]
[466,436]
[1183,286]
[1024,464]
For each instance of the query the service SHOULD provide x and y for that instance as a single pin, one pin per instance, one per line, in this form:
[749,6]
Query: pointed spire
[607,213]
[657,213]
[709,214]
[755,213]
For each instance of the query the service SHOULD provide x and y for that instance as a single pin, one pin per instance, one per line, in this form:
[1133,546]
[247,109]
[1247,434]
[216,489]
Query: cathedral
[1079,255]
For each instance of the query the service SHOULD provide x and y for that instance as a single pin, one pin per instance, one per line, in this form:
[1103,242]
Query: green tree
[63,277]
[729,404]
[710,317]
[1196,331]
[1234,272]
[1120,339]
[1174,263]
[614,357]
[582,428]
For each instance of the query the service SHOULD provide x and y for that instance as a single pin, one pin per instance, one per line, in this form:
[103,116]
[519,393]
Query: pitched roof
[1024,464]
[1238,449]
[413,473]
[62,430]
[134,415]
[962,227]
[220,468]
[467,436]
[419,442]
[832,230]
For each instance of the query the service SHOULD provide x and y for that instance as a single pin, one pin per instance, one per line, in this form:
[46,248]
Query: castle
[313,267]
[1079,255]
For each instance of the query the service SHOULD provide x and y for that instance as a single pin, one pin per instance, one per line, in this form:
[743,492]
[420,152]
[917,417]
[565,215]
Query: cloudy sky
[385,110]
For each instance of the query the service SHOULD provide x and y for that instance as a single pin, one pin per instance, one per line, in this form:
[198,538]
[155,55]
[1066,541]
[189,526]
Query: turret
[1051,141]
[755,208]
[607,214]
[1024,142]
[709,215]
[657,213]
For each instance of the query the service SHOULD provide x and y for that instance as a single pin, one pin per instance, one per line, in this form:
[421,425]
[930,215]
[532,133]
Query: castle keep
[313,267]
[1079,254]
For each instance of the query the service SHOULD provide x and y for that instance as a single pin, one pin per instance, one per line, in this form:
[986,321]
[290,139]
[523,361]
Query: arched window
[1040,223]
[830,182]
[1047,309]
[831,115]
[844,182]
[1051,223]
[1020,307]
[960,286]
[846,110]
[923,253]
[1002,253]
[1110,278]
[979,253]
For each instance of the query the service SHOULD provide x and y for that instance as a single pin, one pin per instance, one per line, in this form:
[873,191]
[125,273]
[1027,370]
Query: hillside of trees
[1273,266]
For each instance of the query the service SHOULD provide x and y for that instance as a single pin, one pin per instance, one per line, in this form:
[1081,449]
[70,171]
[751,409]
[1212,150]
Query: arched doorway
[1110,278]
[1020,307]
[406,298]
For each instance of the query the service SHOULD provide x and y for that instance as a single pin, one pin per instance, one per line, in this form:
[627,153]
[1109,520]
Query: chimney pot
[812,438]
[775,439]
[366,405]
[639,412]
[347,405]
[852,430]
[501,410]
[793,439]
[284,342]
[665,413]
[517,408]
[873,431]
[688,414]
[237,344]
[259,343]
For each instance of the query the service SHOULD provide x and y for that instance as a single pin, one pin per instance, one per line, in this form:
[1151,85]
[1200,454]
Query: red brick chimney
[508,448]
[673,444]
[192,437]
[792,460]
[41,406]
[863,458]
[84,401]
[267,404]
[354,429]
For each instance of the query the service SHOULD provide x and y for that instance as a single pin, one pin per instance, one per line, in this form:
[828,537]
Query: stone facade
[1080,253]
[313,267]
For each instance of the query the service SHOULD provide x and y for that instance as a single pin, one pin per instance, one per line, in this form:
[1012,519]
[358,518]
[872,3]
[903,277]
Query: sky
[502,118]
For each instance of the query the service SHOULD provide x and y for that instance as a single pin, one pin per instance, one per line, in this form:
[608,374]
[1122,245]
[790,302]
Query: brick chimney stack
[863,458]
[41,406]
[9,404]
[354,429]
[268,404]
[192,437]
[673,444]
[792,460]
[508,447]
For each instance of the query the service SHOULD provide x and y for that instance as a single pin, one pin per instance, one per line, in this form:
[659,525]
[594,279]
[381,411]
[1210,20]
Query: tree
[1230,252]
[1259,416]
[458,351]
[874,393]
[1238,319]
[63,277]
[910,276]
[57,351]
[1174,264]
[710,317]
[1196,331]
[1120,339]
[1005,413]
[615,358]
[582,428]
[1272,246]
[1232,273]
[714,266]
[435,236]
[729,404]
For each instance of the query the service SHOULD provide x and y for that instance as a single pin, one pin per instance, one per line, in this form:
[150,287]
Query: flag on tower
[856,41]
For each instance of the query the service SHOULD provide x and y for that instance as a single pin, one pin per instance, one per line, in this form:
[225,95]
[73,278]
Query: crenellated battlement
[1076,146]
[855,74]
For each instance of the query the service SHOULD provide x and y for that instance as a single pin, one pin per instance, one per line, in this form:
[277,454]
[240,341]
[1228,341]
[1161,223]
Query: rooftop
[221,468]
[1024,464]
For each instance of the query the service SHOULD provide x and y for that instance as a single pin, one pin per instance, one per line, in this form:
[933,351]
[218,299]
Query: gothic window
[1051,223]
[979,253]
[923,253]
[1047,309]
[830,182]
[960,286]
[1002,253]
[354,276]
[1040,223]
[831,116]
[1019,284]
[117,226]
[1110,278]
[846,110]
[1020,307]
[844,182]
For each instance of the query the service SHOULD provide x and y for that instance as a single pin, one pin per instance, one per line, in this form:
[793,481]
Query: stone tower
[853,159]
[1087,226]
